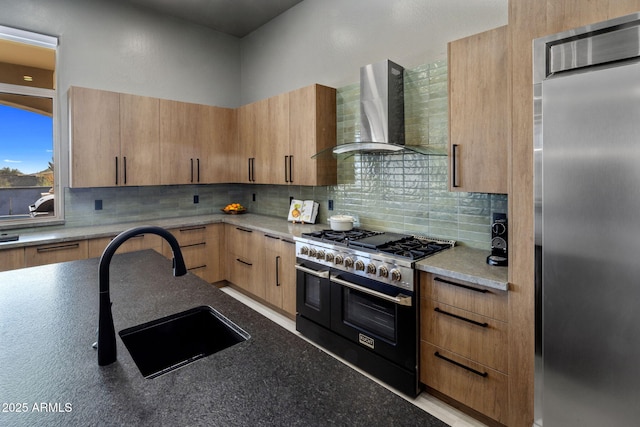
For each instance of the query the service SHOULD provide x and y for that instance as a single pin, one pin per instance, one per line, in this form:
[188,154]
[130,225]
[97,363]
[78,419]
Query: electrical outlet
[196,199]
[330,205]
[98,205]
[254,197]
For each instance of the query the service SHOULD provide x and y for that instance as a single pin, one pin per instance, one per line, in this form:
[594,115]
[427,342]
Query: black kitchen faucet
[106,344]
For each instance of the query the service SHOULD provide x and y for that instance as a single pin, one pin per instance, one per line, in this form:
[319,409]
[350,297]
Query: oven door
[313,292]
[377,316]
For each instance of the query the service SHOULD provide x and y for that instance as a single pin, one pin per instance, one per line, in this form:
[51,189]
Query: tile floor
[428,403]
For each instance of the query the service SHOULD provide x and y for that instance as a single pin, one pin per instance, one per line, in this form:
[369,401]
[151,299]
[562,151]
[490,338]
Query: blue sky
[26,140]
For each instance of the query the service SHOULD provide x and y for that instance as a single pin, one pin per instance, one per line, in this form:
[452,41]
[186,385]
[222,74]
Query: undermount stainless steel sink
[171,342]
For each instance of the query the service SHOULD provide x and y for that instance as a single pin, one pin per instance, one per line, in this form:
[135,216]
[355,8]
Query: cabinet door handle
[249,169]
[460,285]
[198,170]
[278,270]
[59,248]
[191,170]
[286,164]
[253,169]
[290,168]
[244,262]
[482,374]
[124,165]
[116,170]
[446,313]
[454,169]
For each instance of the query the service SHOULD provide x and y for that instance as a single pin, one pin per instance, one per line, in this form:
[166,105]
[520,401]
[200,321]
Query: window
[29,146]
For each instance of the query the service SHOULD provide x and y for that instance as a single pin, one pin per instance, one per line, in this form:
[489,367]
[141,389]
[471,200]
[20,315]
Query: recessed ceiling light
[27,78]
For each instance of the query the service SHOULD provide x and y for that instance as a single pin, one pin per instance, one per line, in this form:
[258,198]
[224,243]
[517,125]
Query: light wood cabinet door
[273,152]
[55,252]
[479,112]
[139,140]
[245,259]
[312,128]
[11,259]
[280,276]
[218,142]
[178,136]
[95,138]
[245,151]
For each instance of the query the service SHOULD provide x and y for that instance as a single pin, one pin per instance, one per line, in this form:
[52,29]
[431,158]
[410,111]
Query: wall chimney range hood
[382,114]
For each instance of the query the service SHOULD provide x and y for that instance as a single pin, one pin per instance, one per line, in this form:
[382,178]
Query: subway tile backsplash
[404,193]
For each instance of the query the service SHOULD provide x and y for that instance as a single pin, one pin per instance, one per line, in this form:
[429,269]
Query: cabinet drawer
[137,243]
[464,295]
[243,242]
[465,333]
[55,252]
[190,235]
[482,389]
[195,256]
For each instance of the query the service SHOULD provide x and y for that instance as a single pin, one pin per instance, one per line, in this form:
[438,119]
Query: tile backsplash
[399,192]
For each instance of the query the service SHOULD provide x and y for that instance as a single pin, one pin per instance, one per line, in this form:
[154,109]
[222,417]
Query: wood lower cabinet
[11,259]
[201,246]
[479,112]
[245,259]
[464,343]
[56,252]
[280,273]
[137,243]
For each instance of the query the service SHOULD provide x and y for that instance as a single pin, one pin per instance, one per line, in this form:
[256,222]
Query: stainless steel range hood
[382,114]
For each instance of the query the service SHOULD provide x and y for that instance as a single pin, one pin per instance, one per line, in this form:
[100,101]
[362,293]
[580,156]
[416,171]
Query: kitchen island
[49,372]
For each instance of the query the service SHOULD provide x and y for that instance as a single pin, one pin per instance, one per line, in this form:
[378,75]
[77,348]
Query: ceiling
[234,17]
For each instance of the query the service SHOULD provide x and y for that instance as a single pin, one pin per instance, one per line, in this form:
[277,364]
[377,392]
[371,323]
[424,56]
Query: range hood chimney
[381,109]
[382,113]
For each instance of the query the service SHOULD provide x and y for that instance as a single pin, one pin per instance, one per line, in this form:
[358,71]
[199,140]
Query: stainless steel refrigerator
[587,219]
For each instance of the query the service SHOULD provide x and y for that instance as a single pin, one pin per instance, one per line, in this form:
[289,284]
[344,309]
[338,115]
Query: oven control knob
[395,275]
[304,250]
[348,262]
[329,257]
[320,254]
[312,252]
[383,271]
[338,259]
[371,269]
[359,265]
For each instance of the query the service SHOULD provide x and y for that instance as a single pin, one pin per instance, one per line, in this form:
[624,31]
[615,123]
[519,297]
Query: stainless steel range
[357,296]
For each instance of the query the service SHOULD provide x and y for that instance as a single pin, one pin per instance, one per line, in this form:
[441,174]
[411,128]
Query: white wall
[327,41]
[112,46]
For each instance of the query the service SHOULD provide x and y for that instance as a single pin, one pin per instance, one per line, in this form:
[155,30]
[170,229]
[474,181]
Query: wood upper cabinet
[479,112]
[95,137]
[114,139]
[279,135]
[139,140]
[196,142]
[312,128]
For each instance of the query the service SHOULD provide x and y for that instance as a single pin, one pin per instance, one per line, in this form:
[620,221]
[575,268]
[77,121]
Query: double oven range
[357,296]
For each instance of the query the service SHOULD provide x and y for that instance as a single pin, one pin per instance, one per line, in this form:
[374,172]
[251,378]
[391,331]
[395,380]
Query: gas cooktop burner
[399,245]
[341,236]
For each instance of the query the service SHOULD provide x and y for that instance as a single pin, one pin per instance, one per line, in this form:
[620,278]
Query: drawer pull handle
[244,229]
[460,285]
[244,262]
[194,244]
[58,248]
[198,267]
[182,230]
[484,325]
[482,374]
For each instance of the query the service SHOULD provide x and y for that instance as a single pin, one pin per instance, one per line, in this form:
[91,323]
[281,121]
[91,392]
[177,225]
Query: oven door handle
[400,299]
[321,274]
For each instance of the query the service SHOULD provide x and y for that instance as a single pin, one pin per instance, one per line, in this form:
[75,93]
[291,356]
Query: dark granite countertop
[49,373]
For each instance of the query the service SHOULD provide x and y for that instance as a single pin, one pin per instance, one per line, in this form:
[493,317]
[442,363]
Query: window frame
[41,40]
